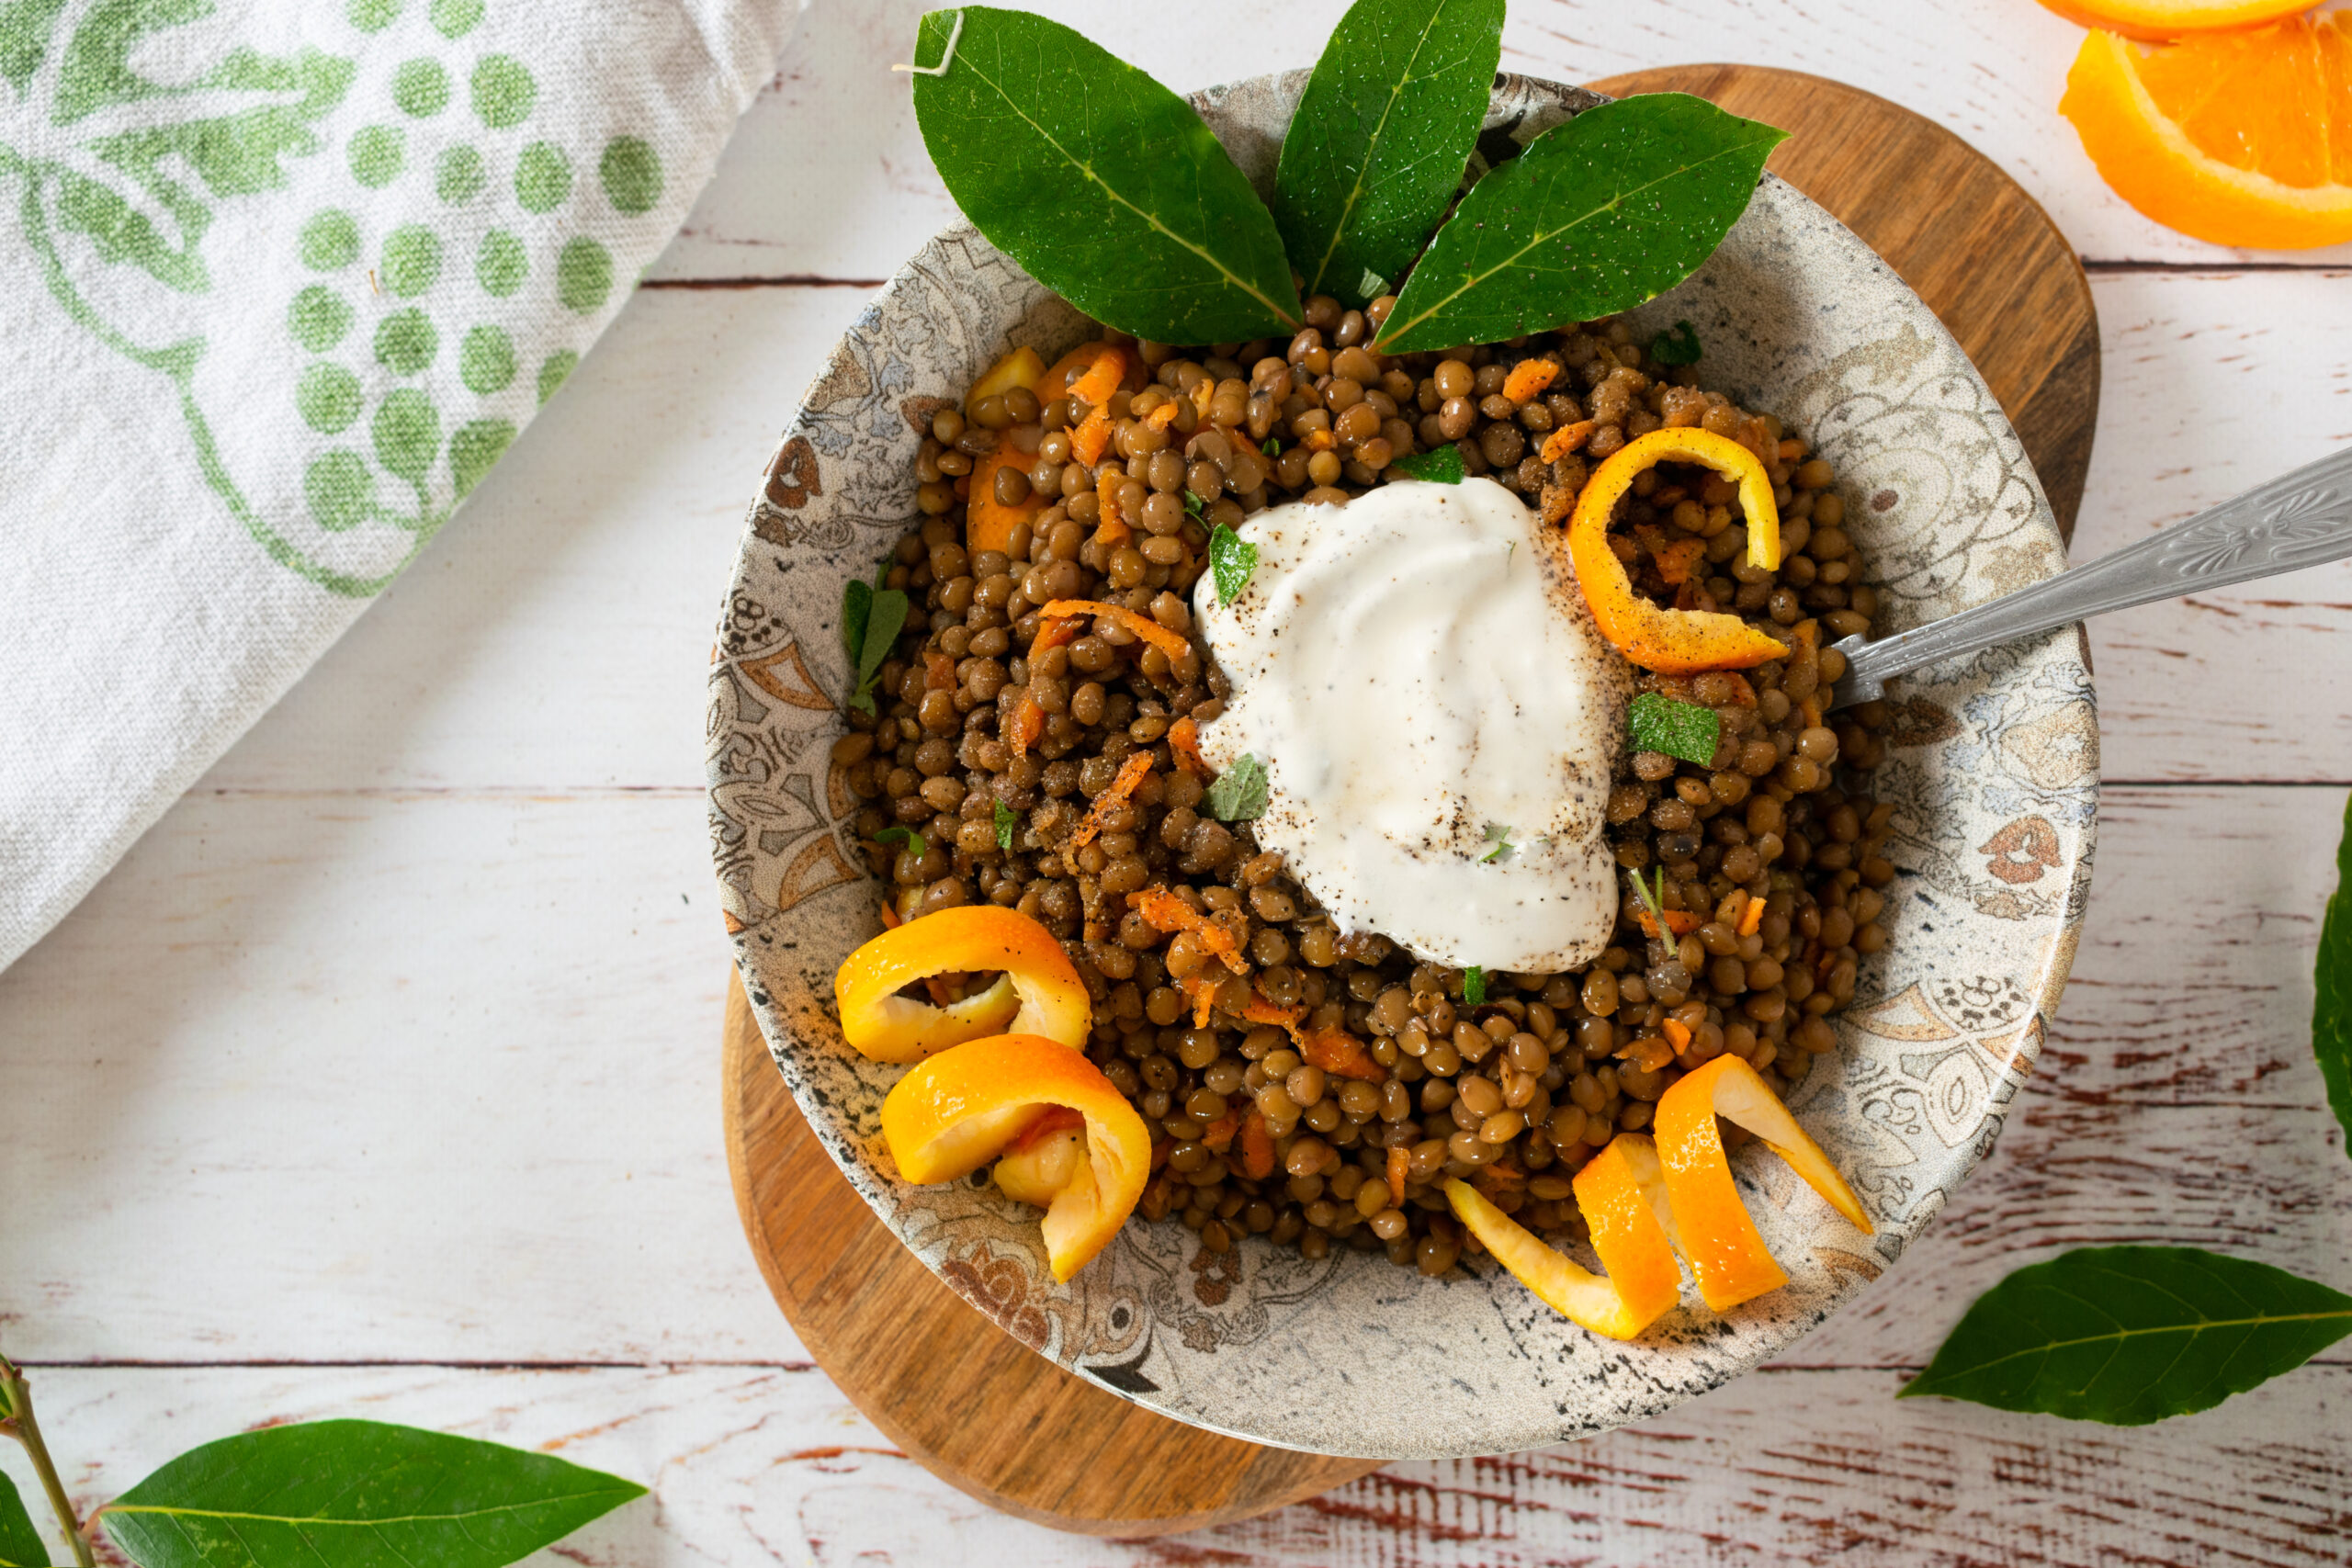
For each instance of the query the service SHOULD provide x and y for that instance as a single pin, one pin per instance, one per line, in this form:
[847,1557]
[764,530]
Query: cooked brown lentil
[1517,1093]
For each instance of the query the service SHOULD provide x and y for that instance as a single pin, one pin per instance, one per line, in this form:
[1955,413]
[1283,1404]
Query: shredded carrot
[1336,1052]
[1114,528]
[1752,917]
[892,919]
[1204,995]
[1053,634]
[1168,642]
[1400,1164]
[1219,1134]
[1528,378]
[1028,726]
[1092,437]
[1204,394]
[1568,438]
[1811,710]
[1260,1010]
[1160,1151]
[1161,417]
[1679,560]
[1499,1175]
[1102,377]
[1258,1147]
[1169,913]
[1184,745]
[1319,441]
[1677,1031]
[1131,772]
[938,672]
[1681,922]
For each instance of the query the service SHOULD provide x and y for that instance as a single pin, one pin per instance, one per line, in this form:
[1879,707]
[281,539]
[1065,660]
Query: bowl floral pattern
[1993,770]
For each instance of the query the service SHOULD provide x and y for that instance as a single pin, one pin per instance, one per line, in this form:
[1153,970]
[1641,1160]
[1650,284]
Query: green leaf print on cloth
[405,180]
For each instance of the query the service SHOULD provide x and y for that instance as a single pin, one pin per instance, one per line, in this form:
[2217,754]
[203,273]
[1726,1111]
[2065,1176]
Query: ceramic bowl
[1993,773]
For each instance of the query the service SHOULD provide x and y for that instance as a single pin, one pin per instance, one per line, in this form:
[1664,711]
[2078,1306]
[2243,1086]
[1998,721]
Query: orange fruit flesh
[2159,21]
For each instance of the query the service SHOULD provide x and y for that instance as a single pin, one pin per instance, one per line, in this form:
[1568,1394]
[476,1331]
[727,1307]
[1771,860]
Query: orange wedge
[952,1114]
[2240,138]
[2159,21]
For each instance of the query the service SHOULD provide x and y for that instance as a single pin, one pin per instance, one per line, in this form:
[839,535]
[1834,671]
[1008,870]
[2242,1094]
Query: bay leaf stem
[17,1399]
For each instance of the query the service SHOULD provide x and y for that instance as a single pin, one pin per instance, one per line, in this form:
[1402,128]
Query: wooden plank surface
[397,1029]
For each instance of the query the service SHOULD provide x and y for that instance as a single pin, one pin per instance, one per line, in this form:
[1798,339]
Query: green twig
[17,1399]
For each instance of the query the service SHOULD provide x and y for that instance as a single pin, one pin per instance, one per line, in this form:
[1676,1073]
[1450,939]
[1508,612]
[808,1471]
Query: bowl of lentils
[1842,909]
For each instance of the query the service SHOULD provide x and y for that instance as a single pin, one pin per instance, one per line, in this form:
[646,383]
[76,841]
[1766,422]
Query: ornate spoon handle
[2300,519]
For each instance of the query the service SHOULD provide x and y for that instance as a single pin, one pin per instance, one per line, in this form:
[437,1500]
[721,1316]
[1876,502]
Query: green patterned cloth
[279,282]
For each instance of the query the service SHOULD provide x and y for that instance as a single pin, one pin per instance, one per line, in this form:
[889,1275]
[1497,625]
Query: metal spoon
[2300,519]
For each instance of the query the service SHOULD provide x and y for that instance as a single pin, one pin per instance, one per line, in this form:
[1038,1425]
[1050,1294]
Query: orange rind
[1038,990]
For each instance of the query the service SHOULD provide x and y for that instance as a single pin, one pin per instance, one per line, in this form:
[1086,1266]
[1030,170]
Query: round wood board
[990,1415]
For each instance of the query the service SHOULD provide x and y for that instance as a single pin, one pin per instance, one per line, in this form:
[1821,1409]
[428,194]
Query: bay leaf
[358,1495]
[1376,147]
[2332,988]
[1599,214]
[20,1544]
[2131,1335]
[1104,185]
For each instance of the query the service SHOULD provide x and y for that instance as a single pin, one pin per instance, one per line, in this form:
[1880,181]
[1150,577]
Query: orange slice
[2239,137]
[2159,21]
[1038,992]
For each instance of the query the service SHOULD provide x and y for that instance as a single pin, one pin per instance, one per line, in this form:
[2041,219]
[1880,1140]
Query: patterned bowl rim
[2066,849]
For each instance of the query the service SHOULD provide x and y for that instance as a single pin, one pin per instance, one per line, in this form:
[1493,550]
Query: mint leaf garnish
[906,836]
[872,618]
[1474,985]
[1498,835]
[1679,730]
[1005,822]
[1232,559]
[1238,794]
[1680,347]
[1612,209]
[1442,466]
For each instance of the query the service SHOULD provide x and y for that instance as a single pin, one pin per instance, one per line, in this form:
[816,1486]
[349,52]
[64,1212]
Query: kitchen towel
[279,281]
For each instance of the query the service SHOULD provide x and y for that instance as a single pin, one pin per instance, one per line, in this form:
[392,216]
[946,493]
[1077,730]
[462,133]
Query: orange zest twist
[1169,913]
[1621,1194]
[1036,991]
[1092,437]
[1131,774]
[1726,1254]
[1113,528]
[961,1108]
[1529,378]
[1170,643]
[1673,642]
[1400,1167]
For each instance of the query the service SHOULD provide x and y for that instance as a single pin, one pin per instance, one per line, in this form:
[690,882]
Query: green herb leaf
[1498,835]
[1376,148]
[1442,466]
[1474,985]
[876,615]
[857,604]
[1005,822]
[1238,794]
[1194,504]
[1611,209]
[355,1491]
[1679,730]
[1271,446]
[1104,185]
[20,1544]
[1680,347]
[2332,976]
[906,836]
[2131,1335]
[1232,559]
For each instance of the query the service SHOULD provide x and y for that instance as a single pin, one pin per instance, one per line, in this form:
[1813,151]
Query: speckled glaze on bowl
[1993,772]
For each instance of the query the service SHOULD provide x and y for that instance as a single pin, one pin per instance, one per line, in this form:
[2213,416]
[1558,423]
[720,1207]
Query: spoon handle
[2300,519]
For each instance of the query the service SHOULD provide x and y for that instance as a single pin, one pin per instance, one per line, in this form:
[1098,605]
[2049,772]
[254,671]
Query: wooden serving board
[990,1417]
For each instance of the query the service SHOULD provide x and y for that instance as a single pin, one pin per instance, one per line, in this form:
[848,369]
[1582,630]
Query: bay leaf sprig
[1597,215]
[1375,151]
[20,1545]
[2131,1335]
[1104,185]
[2332,988]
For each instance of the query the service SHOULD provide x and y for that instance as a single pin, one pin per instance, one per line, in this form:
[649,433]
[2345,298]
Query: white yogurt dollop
[1420,675]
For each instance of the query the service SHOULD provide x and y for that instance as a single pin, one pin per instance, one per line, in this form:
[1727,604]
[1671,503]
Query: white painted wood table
[380,1079]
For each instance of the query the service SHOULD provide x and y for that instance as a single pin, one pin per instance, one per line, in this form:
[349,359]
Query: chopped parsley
[906,836]
[1005,821]
[1474,985]
[1442,466]
[1231,559]
[1680,347]
[1238,794]
[1497,834]
[1686,730]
